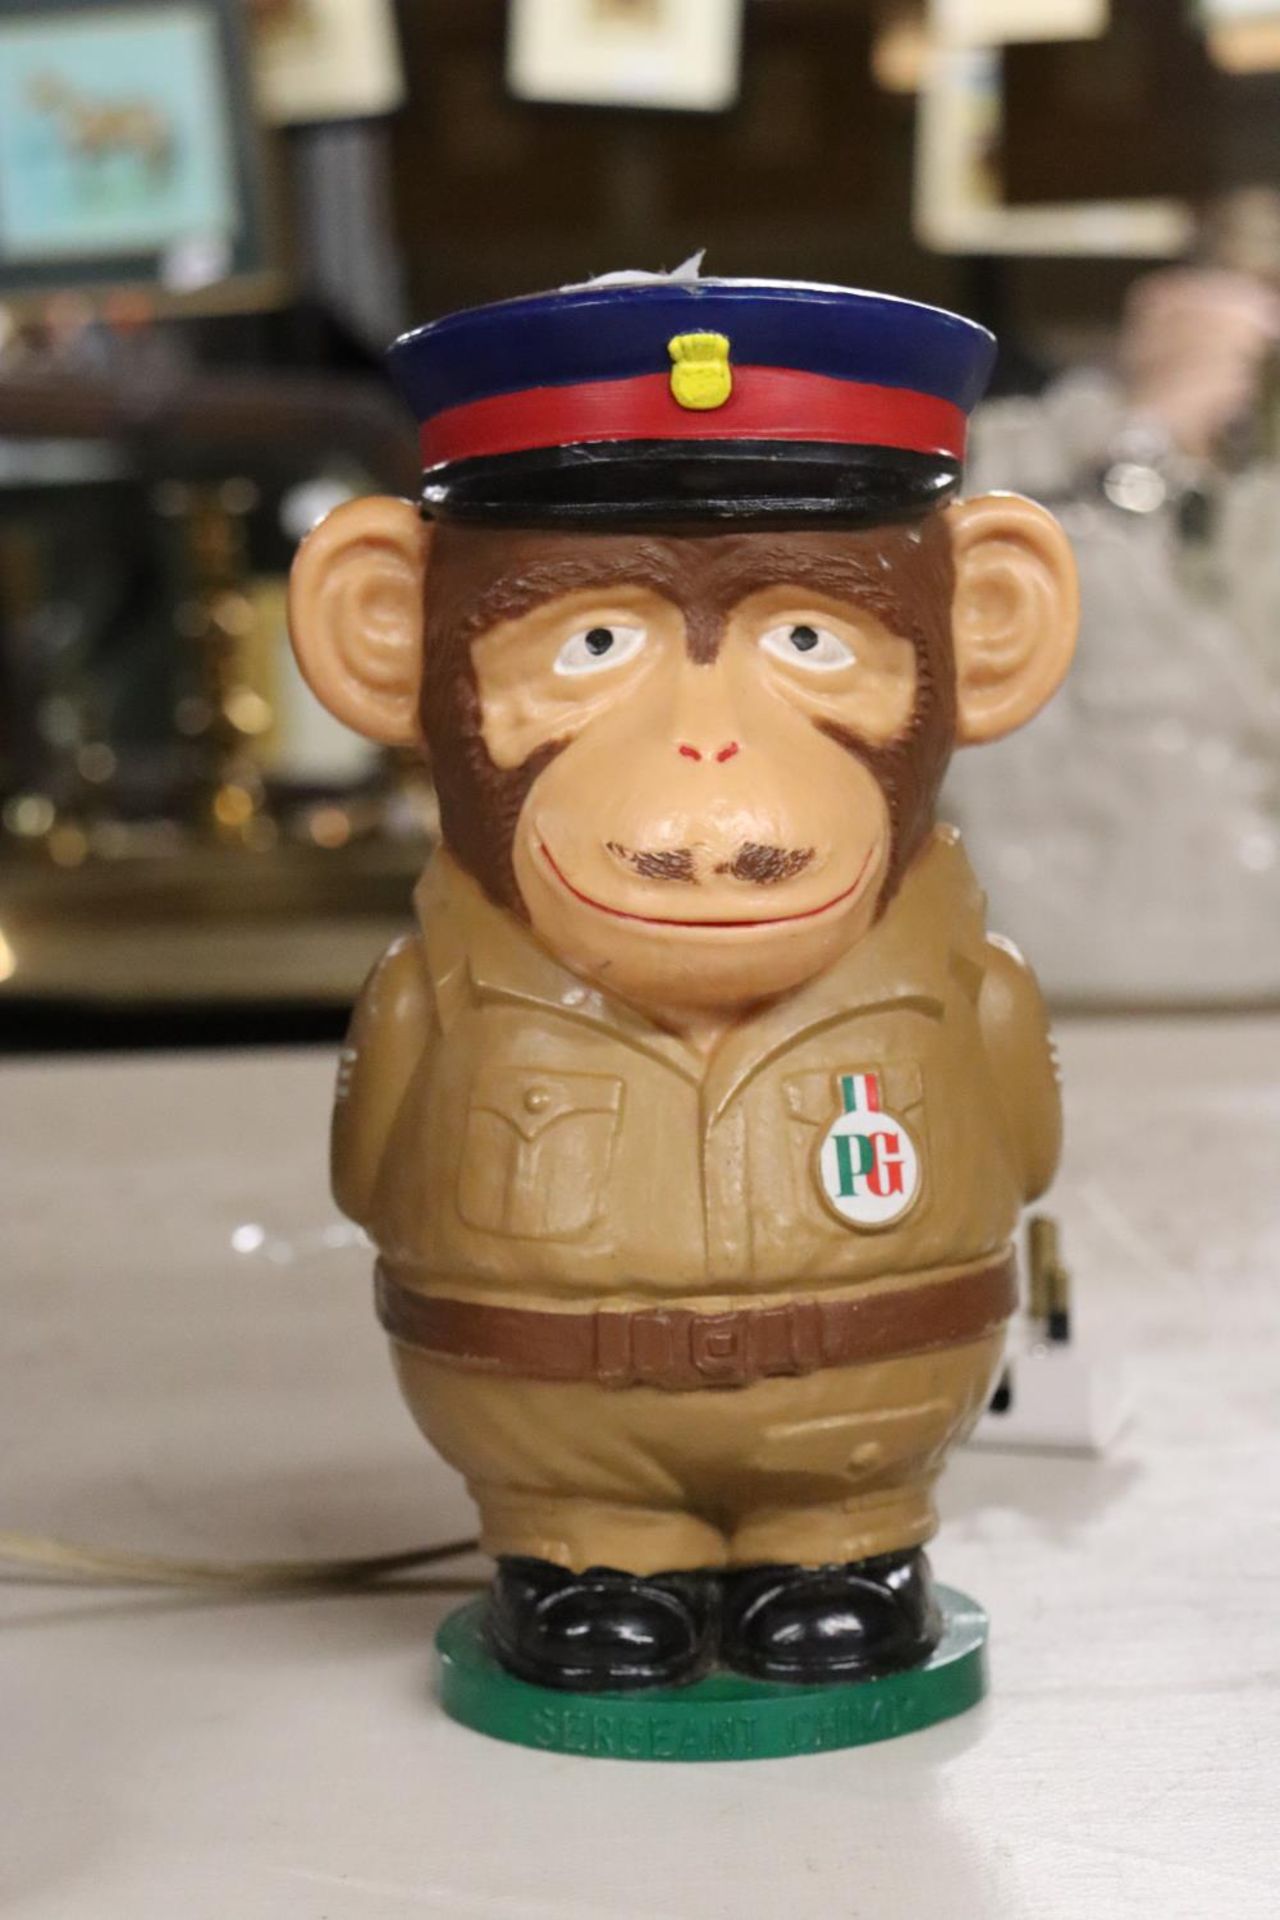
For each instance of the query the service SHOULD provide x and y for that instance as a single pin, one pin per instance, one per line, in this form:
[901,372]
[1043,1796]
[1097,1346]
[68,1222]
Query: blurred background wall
[214,214]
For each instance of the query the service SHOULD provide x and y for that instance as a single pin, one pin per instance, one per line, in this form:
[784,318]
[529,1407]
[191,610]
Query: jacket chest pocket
[537,1151]
[813,1101]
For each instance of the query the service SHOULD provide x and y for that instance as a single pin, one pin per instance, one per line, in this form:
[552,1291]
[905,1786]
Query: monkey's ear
[355,615]
[1014,615]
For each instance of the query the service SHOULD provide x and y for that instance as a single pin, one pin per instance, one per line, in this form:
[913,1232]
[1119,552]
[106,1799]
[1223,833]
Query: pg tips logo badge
[868,1166]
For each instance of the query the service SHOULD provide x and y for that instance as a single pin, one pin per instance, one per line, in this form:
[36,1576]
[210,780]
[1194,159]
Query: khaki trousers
[835,1465]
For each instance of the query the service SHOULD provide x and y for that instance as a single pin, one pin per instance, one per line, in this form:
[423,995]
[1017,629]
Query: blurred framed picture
[327,60]
[681,54]
[986,23]
[960,204]
[127,151]
[1243,35]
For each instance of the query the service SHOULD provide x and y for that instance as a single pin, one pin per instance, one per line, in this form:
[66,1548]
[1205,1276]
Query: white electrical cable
[64,1561]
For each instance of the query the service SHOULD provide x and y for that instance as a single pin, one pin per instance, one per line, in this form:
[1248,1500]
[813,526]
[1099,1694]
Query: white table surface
[188,1758]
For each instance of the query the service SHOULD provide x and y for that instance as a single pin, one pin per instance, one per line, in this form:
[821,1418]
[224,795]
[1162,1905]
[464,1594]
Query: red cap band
[766,403]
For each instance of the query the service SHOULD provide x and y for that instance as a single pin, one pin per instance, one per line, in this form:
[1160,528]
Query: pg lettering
[869,1170]
[874,1157]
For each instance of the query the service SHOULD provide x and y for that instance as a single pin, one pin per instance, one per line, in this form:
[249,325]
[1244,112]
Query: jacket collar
[929,940]
[476,950]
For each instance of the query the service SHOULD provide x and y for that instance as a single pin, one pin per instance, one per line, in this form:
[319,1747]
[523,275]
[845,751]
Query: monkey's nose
[726,752]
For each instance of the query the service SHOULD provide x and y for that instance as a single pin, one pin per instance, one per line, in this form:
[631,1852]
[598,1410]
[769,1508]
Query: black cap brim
[649,483]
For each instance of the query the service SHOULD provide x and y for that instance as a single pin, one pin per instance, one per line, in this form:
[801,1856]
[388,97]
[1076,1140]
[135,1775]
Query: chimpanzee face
[698,763]
[700,732]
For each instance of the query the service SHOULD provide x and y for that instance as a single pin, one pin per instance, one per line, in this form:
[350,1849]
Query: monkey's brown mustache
[759,865]
[711,926]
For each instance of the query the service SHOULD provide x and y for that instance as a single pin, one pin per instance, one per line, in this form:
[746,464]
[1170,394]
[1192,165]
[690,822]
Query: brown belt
[677,1350]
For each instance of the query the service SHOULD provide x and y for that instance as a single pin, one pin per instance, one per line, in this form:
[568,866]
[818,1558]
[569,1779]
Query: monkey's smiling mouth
[665,920]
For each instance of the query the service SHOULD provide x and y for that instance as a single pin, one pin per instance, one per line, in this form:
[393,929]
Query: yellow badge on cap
[701,377]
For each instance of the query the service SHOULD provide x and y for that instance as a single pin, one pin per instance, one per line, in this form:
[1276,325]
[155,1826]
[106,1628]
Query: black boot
[601,1631]
[835,1623]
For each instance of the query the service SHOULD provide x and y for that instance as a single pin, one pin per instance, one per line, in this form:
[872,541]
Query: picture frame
[663,54]
[987,23]
[129,155]
[959,204]
[1243,36]
[328,60]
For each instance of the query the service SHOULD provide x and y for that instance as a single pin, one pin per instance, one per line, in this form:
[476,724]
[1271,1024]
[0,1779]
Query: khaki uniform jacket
[508,1133]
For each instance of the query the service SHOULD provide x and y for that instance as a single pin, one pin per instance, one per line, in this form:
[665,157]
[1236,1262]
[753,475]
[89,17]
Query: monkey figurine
[693,1120]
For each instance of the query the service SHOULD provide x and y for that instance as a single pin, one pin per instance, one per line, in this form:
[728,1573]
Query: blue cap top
[619,327]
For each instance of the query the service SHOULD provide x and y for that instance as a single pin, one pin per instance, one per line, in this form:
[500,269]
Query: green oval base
[723,1717]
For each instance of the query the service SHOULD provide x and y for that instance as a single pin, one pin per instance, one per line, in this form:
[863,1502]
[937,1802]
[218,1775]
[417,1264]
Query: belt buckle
[718,1347]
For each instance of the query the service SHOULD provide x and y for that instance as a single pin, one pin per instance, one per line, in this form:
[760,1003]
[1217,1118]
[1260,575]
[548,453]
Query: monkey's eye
[596,648]
[801,645]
